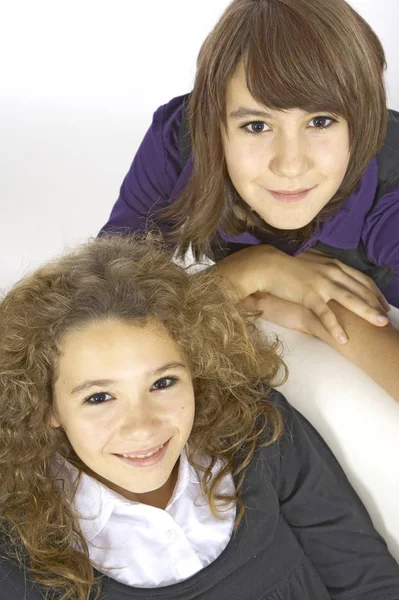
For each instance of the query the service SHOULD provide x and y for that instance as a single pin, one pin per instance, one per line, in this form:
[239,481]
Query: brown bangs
[288,65]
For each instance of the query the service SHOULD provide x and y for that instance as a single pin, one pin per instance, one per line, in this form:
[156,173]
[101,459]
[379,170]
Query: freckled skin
[290,154]
[135,416]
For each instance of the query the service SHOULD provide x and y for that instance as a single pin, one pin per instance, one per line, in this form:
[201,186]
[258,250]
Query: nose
[140,422]
[290,157]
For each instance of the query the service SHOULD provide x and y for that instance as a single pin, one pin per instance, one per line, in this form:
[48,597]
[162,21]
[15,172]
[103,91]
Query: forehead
[237,91]
[115,346]
[240,103]
[239,98]
[265,99]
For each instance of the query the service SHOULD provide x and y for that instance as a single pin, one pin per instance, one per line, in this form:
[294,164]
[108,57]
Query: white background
[80,80]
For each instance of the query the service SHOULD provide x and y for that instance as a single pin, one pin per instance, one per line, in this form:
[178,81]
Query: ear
[54,422]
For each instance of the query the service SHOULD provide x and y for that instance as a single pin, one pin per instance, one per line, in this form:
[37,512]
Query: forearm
[261,277]
[245,272]
[373,349]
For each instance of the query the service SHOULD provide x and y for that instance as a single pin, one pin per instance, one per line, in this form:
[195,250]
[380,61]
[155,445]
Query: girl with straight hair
[145,455]
[282,165]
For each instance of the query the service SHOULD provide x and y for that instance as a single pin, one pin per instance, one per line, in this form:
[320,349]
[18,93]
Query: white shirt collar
[94,502]
[140,545]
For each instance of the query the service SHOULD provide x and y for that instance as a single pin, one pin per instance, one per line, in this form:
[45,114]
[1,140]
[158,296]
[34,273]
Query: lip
[294,196]
[148,461]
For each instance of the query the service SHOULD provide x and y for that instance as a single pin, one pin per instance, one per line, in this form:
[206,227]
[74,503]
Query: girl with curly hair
[145,455]
[282,165]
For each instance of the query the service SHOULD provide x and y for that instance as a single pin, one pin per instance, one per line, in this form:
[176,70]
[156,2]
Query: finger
[382,300]
[367,282]
[285,313]
[363,293]
[327,318]
[289,314]
[360,307]
[338,267]
[253,303]
[359,285]
[386,304]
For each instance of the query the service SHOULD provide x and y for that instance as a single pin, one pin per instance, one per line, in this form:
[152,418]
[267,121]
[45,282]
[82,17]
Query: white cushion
[356,417]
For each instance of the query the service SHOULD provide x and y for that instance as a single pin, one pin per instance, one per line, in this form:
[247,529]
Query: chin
[283,225]
[295,227]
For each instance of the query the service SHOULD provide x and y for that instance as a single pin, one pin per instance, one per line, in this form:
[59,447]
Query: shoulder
[388,157]
[15,584]
[155,169]
[285,409]
[298,441]
[167,121]
[271,454]
[382,221]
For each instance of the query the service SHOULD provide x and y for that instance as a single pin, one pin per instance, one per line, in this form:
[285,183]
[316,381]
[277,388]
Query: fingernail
[382,319]
[342,339]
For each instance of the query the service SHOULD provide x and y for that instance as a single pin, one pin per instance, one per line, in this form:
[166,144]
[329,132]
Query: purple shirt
[156,179]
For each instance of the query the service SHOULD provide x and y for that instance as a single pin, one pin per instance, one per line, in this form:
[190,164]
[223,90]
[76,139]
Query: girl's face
[125,389]
[272,154]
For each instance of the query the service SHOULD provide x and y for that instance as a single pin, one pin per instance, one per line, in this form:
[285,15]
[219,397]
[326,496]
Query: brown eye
[256,127]
[99,398]
[323,122]
[163,383]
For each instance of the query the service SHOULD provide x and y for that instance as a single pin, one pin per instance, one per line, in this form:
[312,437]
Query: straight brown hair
[316,55]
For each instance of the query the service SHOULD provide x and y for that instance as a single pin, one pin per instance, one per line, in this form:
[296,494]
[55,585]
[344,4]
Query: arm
[376,351]
[310,280]
[329,519]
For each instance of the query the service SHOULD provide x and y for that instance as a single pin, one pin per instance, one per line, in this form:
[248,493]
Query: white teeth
[143,455]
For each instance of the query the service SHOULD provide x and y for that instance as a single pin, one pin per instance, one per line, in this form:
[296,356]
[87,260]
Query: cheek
[332,159]
[336,167]
[88,434]
[243,159]
[183,412]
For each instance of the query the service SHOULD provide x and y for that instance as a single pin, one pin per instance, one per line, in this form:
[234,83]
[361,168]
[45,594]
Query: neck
[157,498]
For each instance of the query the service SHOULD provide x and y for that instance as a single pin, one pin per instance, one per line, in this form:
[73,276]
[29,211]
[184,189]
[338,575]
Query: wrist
[267,269]
[249,270]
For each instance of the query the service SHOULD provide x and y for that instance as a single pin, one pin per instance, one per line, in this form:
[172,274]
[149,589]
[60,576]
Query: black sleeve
[329,519]
[15,585]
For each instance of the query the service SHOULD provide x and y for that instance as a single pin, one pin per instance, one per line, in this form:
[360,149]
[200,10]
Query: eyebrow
[81,387]
[244,112]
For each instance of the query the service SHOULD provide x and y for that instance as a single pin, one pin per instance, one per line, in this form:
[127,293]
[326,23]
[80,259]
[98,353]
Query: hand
[376,352]
[310,280]
[284,313]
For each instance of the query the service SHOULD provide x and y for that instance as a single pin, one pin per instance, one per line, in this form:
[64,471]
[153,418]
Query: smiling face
[124,388]
[272,154]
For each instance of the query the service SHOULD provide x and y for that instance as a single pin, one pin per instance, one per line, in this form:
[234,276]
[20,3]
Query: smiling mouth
[288,192]
[143,453]
[294,196]
[145,458]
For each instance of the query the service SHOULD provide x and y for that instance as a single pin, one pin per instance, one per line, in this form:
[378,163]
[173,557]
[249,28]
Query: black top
[306,536]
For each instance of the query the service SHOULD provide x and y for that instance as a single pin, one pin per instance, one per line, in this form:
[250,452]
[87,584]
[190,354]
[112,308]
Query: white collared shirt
[152,547]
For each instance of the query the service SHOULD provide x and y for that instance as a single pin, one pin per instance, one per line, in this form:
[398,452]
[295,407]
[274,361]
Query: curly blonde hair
[132,279]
